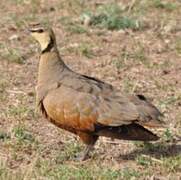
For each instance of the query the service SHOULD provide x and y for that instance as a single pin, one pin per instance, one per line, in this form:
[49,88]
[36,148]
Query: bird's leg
[85,153]
[89,146]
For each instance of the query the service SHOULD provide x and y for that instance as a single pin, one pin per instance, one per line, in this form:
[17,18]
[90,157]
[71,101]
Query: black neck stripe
[49,47]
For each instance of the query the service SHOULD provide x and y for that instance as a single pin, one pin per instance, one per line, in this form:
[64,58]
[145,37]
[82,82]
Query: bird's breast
[62,108]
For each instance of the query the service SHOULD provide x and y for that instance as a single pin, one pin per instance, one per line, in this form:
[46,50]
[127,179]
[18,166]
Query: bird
[87,106]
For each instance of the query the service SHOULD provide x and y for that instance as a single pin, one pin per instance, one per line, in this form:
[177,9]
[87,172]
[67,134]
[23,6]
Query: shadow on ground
[158,150]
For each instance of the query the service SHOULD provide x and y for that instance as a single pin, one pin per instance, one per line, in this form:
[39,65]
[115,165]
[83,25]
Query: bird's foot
[84,155]
[81,157]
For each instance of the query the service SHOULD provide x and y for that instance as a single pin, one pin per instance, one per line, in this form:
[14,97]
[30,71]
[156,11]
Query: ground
[134,45]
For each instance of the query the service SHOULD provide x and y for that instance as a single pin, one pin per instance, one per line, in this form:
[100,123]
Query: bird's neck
[50,67]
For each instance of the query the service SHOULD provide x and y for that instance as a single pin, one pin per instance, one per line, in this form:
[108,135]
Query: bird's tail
[132,131]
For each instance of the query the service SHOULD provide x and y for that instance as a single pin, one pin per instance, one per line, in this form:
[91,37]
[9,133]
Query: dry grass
[134,45]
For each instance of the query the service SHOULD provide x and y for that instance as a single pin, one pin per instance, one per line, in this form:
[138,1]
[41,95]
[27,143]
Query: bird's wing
[125,107]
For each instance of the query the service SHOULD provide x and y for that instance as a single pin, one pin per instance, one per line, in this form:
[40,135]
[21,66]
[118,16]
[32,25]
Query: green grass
[169,6]
[173,164]
[114,23]
[137,56]
[178,46]
[86,50]
[128,85]
[118,63]
[125,59]
[144,161]
[87,172]
[66,172]
[140,56]
[82,49]
[77,29]
[7,174]
[3,87]
[165,158]
[111,17]
[70,151]
[11,55]
[21,143]
[167,136]
[21,112]
[22,134]
[171,100]
[3,84]
[72,26]
[50,170]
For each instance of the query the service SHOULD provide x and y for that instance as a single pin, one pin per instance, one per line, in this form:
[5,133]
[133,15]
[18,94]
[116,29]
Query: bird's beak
[32,30]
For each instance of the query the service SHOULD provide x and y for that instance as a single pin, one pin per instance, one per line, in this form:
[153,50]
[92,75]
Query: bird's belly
[66,115]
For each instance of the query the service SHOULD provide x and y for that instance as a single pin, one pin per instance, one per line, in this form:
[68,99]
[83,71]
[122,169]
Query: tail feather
[149,115]
[128,132]
[153,124]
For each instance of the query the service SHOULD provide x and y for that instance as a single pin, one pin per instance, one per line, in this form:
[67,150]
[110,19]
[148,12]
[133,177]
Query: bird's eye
[40,30]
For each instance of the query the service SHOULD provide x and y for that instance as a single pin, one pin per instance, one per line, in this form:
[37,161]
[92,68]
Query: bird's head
[44,35]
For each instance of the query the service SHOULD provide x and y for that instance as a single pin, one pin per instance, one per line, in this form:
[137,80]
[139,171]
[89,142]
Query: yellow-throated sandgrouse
[87,106]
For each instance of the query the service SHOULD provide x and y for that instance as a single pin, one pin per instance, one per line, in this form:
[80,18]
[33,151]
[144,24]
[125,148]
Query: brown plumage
[87,106]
